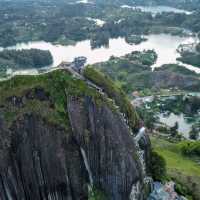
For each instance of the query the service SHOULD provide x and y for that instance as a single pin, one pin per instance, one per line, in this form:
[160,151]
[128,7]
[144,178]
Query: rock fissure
[87,166]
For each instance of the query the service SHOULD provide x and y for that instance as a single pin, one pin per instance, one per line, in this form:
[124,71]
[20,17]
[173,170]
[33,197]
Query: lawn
[180,168]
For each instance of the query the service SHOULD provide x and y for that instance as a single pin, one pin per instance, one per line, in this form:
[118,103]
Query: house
[79,63]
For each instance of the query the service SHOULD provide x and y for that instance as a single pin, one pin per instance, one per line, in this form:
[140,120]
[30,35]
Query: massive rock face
[37,162]
[42,160]
[109,146]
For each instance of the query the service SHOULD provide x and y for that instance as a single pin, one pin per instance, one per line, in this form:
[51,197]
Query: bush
[181,189]
[194,133]
[163,129]
[189,148]
[158,167]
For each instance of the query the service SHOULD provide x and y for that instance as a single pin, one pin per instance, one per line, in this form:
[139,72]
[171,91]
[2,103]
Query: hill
[64,139]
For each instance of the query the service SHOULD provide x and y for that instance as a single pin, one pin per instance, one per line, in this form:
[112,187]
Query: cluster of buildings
[190,48]
[165,192]
[140,101]
[77,64]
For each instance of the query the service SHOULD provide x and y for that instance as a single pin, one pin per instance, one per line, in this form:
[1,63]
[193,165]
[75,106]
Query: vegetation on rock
[114,93]
[61,124]
[55,87]
[158,166]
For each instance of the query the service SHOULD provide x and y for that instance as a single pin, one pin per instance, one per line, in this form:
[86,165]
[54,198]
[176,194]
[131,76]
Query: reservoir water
[157,9]
[165,46]
[170,120]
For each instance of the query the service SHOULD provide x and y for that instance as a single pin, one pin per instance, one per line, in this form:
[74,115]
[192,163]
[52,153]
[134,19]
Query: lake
[185,121]
[157,9]
[170,120]
[165,46]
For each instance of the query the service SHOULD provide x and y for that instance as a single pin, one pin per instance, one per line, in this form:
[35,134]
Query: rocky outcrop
[109,147]
[145,145]
[46,161]
[42,161]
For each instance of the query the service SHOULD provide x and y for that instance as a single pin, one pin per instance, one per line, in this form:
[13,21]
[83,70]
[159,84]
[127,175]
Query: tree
[198,47]
[174,130]
[149,121]
[158,166]
[194,133]
[26,58]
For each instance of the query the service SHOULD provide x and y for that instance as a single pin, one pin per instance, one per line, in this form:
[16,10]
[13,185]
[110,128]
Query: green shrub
[115,93]
[190,148]
[182,190]
[158,166]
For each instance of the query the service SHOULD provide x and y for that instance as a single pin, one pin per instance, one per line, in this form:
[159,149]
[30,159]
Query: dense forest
[20,59]
[190,58]
[65,23]
[189,5]
[133,73]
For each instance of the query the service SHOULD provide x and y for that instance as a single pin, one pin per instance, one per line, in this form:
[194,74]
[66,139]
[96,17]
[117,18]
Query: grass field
[179,167]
